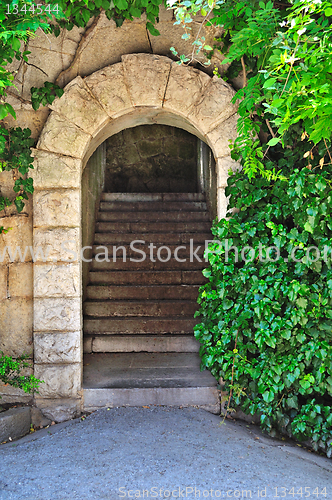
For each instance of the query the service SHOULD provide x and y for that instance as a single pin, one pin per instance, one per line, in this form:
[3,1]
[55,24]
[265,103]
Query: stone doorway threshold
[139,379]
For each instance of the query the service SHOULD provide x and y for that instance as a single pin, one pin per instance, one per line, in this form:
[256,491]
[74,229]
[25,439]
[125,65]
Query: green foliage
[291,81]
[184,12]
[286,52]
[15,156]
[79,12]
[10,373]
[19,21]
[266,323]
[17,26]
[45,95]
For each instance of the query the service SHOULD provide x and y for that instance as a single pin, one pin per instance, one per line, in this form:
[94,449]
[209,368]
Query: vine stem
[232,380]
[199,31]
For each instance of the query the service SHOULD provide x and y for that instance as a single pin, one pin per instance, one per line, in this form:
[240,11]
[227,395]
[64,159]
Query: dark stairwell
[139,316]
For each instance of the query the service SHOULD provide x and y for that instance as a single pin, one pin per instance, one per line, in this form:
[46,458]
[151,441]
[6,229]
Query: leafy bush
[266,323]
[10,373]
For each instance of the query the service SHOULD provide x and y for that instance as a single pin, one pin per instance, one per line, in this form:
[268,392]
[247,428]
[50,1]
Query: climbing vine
[266,311]
[285,54]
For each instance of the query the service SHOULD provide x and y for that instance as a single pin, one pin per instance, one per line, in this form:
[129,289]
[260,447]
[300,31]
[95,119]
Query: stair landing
[138,379]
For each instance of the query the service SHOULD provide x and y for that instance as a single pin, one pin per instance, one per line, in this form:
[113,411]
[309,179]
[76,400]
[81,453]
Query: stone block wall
[16,293]
[151,158]
[93,180]
[187,97]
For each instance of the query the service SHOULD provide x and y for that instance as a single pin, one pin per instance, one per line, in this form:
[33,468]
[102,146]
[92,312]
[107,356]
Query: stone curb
[14,423]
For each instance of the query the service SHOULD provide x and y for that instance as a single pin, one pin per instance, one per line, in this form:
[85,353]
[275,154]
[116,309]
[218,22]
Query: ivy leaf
[303,303]
[121,4]
[86,15]
[19,203]
[3,111]
[135,12]
[308,227]
[268,396]
[227,304]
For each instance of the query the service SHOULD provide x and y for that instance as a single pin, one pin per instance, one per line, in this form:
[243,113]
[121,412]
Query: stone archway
[142,89]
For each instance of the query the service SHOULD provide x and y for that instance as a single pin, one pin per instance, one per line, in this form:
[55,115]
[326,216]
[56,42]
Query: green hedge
[266,323]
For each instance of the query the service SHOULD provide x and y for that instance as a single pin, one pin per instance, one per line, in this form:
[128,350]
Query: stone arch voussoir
[143,88]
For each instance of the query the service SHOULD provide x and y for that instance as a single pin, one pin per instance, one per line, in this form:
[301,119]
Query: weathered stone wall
[151,158]
[16,303]
[93,181]
[82,52]
[57,59]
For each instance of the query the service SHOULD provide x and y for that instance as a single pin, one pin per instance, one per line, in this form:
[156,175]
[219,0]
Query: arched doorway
[142,89]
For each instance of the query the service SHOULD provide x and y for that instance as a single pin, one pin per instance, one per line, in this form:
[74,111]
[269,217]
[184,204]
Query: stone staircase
[139,316]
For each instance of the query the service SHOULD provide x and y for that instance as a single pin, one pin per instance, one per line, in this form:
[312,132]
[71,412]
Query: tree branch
[244,72]
[269,127]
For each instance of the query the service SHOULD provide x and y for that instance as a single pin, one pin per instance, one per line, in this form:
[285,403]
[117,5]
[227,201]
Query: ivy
[284,52]
[45,95]
[78,13]
[266,317]
[17,27]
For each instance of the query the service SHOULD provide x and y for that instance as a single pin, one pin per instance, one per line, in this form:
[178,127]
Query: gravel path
[158,452]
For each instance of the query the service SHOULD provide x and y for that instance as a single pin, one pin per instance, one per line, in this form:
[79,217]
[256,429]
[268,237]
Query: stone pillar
[57,285]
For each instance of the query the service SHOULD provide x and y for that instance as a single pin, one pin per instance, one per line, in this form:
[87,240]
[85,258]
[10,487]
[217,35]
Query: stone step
[198,238]
[206,398]
[152,227]
[130,292]
[140,343]
[140,379]
[140,325]
[172,264]
[138,308]
[137,216]
[147,278]
[155,206]
[133,197]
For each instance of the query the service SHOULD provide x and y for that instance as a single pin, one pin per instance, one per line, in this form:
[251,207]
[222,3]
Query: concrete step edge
[170,396]
[153,197]
[140,343]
